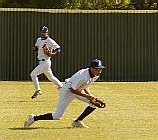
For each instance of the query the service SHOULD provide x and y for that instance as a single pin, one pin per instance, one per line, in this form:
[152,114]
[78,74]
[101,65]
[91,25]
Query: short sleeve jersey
[41,42]
[81,80]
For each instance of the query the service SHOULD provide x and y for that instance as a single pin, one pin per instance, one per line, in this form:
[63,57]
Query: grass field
[131,113]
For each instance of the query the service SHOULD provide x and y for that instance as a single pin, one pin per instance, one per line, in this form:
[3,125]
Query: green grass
[131,113]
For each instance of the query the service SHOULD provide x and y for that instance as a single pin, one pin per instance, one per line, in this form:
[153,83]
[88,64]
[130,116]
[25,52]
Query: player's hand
[98,102]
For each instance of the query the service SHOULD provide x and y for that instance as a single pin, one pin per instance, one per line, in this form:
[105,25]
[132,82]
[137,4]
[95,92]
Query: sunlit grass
[131,112]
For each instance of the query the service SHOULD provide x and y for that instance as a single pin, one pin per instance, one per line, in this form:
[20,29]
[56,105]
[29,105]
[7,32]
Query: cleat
[79,124]
[30,120]
[36,94]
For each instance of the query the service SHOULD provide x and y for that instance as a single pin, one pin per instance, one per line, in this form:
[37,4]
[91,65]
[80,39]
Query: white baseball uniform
[44,63]
[80,80]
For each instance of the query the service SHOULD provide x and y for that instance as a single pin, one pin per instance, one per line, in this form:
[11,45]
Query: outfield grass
[131,113]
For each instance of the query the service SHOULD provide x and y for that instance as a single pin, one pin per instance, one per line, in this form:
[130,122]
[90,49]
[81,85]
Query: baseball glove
[98,102]
[48,51]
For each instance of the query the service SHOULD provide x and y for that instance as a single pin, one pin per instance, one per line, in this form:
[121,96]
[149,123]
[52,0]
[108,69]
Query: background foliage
[82,4]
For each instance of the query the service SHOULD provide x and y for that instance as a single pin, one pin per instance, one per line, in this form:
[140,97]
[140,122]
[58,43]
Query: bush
[71,4]
[103,6]
[17,4]
[87,6]
[34,3]
[18,1]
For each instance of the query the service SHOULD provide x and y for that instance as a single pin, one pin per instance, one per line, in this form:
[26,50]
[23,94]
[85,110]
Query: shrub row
[63,4]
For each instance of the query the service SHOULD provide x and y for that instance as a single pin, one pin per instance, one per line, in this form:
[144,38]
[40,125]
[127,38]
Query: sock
[85,113]
[44,117]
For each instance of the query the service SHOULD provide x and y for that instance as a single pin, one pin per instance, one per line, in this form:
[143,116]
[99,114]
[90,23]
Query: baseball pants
[44,67]
[65,97]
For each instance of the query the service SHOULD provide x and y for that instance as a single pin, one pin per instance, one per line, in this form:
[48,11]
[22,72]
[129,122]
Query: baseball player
[44,60]
[75,87]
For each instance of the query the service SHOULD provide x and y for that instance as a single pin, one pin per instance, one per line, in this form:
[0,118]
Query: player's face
[43,34]
[96,72]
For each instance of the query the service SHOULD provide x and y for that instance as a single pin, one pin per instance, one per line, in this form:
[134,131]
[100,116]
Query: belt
[42,60]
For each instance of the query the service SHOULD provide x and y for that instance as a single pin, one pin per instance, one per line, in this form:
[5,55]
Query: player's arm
[77,92]
[87,91]
[34,48]
[55,48]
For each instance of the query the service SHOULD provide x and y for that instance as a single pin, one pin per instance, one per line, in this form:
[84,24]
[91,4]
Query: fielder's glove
[48,51]
[98,102]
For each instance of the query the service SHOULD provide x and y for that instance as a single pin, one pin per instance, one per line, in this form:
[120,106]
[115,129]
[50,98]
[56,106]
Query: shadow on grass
[25,101]
[20,128]
[34,128]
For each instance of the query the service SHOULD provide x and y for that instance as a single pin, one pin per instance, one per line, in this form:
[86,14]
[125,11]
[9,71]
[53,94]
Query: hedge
[75,4]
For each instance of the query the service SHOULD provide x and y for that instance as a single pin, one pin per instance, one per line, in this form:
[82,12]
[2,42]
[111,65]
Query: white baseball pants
[65,97]
[44,67]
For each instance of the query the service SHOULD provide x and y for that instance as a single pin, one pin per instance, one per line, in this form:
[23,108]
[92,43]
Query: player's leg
[78,122]
[64,100]
[50,76]
[37,71]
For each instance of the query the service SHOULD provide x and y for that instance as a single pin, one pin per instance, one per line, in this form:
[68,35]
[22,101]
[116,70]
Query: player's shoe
[79,124]
[36,94]
[30,120]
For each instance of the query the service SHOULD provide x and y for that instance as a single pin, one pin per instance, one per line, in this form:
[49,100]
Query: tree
[117,1]
[139,4]
[151,2]
[19,1]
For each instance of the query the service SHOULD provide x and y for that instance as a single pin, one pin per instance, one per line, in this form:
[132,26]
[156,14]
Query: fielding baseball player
[75,87]
[46,48]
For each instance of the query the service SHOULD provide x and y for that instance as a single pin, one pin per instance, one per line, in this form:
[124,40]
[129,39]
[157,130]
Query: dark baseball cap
[44,29]
[96,64]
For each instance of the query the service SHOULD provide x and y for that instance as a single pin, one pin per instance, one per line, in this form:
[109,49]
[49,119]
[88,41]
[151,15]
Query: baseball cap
[44,29]
[96,64]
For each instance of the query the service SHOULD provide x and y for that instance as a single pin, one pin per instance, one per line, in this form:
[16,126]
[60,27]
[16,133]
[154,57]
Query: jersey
[81,80]
[49,42]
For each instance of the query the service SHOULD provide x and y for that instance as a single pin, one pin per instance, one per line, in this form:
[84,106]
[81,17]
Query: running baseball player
[75,87]
[46,48]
